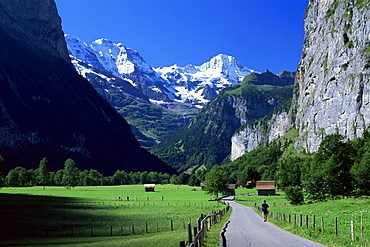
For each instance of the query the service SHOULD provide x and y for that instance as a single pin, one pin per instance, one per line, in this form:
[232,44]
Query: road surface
[245,228]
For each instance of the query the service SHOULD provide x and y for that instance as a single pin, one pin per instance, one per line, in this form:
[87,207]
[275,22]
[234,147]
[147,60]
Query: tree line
[340,167]
[70,176]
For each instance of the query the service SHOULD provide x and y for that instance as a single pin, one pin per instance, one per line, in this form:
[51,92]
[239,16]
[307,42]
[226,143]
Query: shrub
[294,195]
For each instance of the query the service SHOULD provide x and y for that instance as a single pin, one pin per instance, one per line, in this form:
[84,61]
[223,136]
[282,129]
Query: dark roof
[265,185]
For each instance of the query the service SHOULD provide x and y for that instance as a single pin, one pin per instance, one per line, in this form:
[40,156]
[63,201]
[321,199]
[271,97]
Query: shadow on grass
[44,216]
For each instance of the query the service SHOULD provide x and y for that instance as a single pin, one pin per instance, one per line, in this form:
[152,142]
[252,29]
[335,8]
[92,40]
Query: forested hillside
[206,140]
[339,168]
[151,123]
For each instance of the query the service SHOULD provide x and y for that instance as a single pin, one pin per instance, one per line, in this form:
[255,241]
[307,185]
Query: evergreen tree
[294,195]
[361,174]
[336,157]
[70,174]
[313,181]
[289,171]
[43,172]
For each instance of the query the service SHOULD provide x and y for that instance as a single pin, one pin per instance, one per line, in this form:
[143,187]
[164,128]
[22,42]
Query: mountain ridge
[206,139]
[48,110]
[195,85]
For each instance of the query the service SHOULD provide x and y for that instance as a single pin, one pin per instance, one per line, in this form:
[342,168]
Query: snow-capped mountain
[113,62]
[202,83]
[196,85]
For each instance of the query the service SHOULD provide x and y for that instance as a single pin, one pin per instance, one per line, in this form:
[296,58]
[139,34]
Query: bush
[294,195]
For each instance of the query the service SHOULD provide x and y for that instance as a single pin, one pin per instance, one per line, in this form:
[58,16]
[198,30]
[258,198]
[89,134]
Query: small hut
[149,187]
[265,188]
[250,184]
[230,191]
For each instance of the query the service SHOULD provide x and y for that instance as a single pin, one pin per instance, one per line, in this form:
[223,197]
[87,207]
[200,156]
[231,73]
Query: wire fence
[204,223]
[93,230]
[78,228]
[356,229]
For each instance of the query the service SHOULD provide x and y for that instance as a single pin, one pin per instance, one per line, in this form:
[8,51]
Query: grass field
[345,210]
[57,216]
[33,216]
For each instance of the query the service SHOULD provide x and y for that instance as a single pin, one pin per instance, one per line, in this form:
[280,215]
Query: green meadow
[90,216]
[324,214]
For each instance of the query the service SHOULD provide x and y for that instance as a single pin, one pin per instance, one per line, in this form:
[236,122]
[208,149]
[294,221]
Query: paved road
[246,228]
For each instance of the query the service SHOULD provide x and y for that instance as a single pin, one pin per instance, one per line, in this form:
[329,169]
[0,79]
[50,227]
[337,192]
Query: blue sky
[261,34]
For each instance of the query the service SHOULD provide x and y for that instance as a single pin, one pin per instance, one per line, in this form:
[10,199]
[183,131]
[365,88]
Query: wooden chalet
[149,187]
[230,190]
[265,188]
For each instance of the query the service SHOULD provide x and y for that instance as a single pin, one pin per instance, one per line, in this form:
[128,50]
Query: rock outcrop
[25,20]
[332,89]
[206,140]
[250,136]
[47,109]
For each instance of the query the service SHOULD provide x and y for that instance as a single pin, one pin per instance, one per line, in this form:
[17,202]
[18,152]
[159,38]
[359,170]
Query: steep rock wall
[25,20]
[251,136]
[332,87]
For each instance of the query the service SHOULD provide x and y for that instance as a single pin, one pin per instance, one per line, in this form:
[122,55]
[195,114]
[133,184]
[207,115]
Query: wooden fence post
[336,225]
[182,244]
[306,221]
[361,224]
[171,225]
[133,229]
[352,230]
[189,233]
[111,230]
[322,224]
[300,220]
[314,221]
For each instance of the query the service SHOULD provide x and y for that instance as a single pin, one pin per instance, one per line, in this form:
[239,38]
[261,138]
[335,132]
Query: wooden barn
[265,188]
[250,184]
[230,190]
[149,187]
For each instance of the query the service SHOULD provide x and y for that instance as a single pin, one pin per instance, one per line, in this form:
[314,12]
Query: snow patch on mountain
[196,85]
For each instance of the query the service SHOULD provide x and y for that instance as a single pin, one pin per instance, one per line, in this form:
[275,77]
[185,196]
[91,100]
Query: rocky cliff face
[250,136]
[206,140]
[47,109]
[25,20]
[332,90]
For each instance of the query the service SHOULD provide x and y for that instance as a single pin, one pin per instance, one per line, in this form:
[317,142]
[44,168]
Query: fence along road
[246,228]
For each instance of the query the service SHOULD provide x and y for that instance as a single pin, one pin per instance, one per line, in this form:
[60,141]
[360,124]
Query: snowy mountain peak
[192,84]
[226,64]
[219,62]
